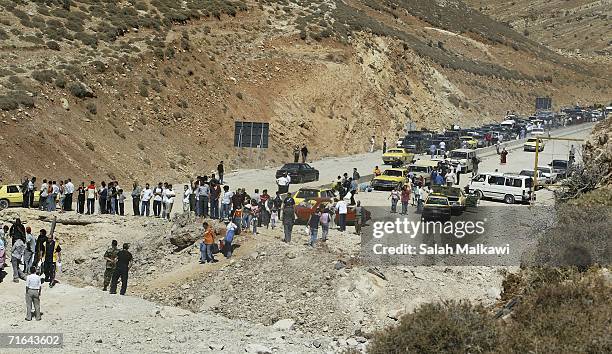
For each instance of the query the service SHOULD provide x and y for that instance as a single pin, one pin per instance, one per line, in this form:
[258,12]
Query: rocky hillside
[578,26]
[151,89]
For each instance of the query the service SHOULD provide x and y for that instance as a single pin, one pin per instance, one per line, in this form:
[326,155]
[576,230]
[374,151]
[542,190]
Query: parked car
[510,188]
[311,193]
[470,141]
[436,207]
[530,173]
[530,145]
[299,172]
[12,195]
[391,178]
[548,173]
[423,168]
[308,207]
[397,157]
[456,197]
[537,131]
[462,157]
[561,168]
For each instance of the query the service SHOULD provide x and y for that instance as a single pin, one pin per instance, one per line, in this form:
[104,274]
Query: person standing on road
[33,289]
[68,193]
[304,153]
[384,145]
[17,253]
[136,191]
[28,255]
[44,193]
[186,194]
[341,210]
[356,175]
[81,197]
[475,163]
[124,263]
[458,171]
[503,156]
[313,225]
[110,256]
[91,195]
[405,199]
[372,142]
[353,189]
[358,218]
[220,171]
[442,147]
[157,200]
[145,200]
[432,150]
[288,217]
[31,191]
[296,154]
[395,197]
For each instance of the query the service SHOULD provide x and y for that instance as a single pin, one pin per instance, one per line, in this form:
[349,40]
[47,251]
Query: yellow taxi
[436,207]
[470,142]
[397,157]
[11,195]
[530,145]
[391,178]
[455,195]
[303,194]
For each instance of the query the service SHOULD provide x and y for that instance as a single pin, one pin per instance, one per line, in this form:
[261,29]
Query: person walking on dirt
[229,238]
[110,256]
[220,171]
[353,186]
[304,153]
[17,231]
[123,265]
[358,218]
[341,210]
[503,156]
[17,253]
[325,221]
[209,240]
[136,191]
[33,288]
[28,255]
[313,225]
[288,217]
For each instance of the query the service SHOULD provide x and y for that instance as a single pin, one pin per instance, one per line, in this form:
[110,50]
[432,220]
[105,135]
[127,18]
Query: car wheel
[4,204]
[479,194]
[509,199]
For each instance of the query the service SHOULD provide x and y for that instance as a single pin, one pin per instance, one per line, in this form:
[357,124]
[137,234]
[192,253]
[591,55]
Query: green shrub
[60,82]
[143,90]
[44,75]
[91,107]
[53,45]
[8,103]
[77,89]
[451,327]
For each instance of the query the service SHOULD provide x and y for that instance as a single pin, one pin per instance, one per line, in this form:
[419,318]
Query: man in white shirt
[33,287]
[186,194]
[145,199]
[450,178]
[442,147]
[341,209]
[31,184]
[44,187]
[283,184]
[68,191]
[157,200]
[226,202]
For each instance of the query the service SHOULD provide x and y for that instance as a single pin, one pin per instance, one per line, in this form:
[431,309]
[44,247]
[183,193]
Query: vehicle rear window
[393,173]
[307,194]
[437,201]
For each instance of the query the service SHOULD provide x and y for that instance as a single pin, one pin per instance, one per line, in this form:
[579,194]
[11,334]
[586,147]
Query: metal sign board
[543,104]
[251,134]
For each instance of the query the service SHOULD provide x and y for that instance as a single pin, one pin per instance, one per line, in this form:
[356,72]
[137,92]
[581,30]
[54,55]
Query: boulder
[258,349]
[186,230]
[284,324]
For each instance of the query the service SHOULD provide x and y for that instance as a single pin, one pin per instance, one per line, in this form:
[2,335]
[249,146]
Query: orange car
[307,208]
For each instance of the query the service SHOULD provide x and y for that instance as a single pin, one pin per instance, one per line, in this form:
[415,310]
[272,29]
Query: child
[254,216]
[121,201]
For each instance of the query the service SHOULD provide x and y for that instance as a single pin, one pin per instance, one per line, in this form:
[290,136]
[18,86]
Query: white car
[537,131]
[529,173]
[509,188]
[548,173]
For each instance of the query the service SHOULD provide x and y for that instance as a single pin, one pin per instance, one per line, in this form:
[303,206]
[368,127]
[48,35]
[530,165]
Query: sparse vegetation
[44,75]
[79,90]
[92,108]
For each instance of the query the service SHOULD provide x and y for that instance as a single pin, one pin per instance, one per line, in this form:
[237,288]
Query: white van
[510,188]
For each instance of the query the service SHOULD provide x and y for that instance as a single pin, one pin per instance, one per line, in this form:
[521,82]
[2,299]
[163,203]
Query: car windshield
[458,155]
[307,193]
[537,129]
[531,140]
[448,191]
[437,201]
[291,166]
[395,151]
[393,173]
[526,173]
[544,169]
[559,164]
[419,169]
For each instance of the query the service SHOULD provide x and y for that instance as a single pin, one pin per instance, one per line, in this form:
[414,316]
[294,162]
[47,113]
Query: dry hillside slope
[151,89]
